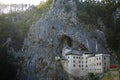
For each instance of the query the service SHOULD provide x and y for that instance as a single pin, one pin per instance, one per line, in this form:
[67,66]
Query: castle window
[73,65]
[97,64]
[104,63]
[74,57]
[104,58]
[74,61]
[79,66]
[99,58]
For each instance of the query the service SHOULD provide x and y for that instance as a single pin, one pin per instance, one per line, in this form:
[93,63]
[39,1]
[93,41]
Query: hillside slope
[113,74]
[58,28]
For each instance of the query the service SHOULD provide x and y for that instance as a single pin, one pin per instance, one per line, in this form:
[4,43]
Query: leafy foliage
[89,11]
[8,69]
[15,25]
[45,5]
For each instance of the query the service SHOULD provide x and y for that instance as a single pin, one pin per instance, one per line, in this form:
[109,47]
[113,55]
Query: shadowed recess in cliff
[82,47]
[66,40]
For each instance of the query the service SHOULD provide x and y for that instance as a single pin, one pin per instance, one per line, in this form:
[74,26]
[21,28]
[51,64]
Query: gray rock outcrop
[46,38]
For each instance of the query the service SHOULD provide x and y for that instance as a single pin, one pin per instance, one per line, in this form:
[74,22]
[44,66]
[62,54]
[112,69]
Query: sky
[35,2]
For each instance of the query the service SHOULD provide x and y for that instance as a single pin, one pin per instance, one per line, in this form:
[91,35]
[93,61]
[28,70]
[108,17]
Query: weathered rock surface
[46,38]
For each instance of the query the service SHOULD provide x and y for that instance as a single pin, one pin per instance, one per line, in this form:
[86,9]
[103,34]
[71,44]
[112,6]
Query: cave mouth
[67,40]
[64,41]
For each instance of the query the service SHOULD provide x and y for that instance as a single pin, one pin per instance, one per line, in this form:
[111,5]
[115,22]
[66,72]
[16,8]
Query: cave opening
[64,41]
[53,27]
[67,40]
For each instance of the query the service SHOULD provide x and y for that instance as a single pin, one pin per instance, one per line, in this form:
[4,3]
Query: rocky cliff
[58,28]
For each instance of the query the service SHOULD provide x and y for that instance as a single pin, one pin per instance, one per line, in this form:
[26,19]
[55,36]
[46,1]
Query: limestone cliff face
[46,38]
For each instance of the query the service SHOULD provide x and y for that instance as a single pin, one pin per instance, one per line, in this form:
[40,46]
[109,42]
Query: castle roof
[74,52]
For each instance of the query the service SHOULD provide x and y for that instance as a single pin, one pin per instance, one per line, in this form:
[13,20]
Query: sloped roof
[74,52]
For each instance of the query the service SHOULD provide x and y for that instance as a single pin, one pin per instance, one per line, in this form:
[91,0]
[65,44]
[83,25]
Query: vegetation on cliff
[95,12]
[15,25]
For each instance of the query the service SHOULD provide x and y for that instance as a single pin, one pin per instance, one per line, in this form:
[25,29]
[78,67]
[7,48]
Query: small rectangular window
[73,65]
[99,58]
[74,61]
[97,64]
[104,63]
[74,57]
[104,58]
